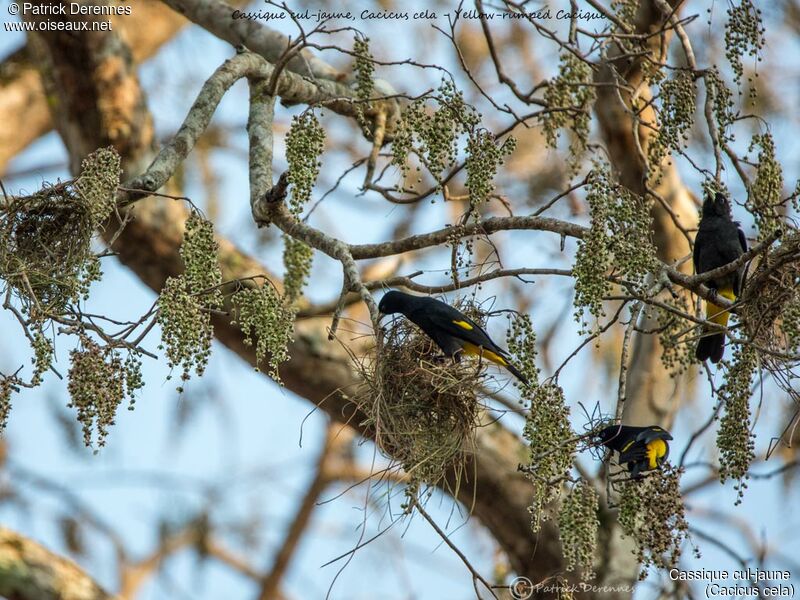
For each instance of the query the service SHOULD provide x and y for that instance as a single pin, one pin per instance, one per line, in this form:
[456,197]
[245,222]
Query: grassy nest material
[422,406]
[771,298]
[45,238]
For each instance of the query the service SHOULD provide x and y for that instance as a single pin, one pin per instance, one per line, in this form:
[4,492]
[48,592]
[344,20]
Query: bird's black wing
[459,325]
[633,451]
[698,241]
[742,274]
[653,433]
[617,437]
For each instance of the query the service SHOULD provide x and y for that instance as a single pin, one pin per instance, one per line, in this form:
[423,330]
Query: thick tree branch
[218,18]
[29,571]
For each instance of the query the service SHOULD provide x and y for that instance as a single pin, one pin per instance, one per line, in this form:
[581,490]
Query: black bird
[453,331]
[641,448]
[719,241]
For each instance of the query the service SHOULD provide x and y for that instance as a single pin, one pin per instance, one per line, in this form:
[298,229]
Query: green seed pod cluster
[43,353]
[99,380]
[744,36]
[297,257]
[364,68]
[722,104]
[675,117]
[199,252]
[619,241]
[186,302]
[676,354]
[521,340]
[548,433]
[92,271]
[267,322]
[186,330]
[735,439]
[134,381]
[578,526]
[6,389]
[569,98]
[98,182]
[484,157]
[764,199]
[651,512]
[433,133]
[304,145]
[625,10]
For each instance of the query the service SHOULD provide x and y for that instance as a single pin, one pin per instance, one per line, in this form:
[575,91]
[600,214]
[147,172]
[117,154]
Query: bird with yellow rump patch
[719,241]
[453,331]
[640,448]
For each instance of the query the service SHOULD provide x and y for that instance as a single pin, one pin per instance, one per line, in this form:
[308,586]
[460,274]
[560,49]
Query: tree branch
[29,571]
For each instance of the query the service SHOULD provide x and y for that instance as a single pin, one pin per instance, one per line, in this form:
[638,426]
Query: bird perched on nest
[641,448]
[453,331]
[719,241]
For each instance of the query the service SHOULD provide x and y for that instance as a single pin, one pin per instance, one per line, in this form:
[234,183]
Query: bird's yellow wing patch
[473,350]
[717,314]
[655,450]
[628,445]
[464,325]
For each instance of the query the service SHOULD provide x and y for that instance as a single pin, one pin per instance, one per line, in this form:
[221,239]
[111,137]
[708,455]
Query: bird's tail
[497,358]
[515,372]
[712,343]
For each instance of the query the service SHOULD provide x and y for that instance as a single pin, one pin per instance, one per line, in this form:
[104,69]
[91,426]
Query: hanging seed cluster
[744,36]
[297,259]
[764,198]
[6,389]
[651,512]
[99,380]
[625,10]
[676,354]
[364,68]
[619,242]
[267,322]
[43,353]
[521,341]
[45,239]
[484,157]
[722,104]
[578,526]
[430,128]
[735,439]
[186,302]
[569,98]
[675,117]
[304,145]
[548,433]
[98,182]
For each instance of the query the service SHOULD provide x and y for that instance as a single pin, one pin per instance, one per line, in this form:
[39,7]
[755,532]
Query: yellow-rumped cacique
[719,241]
[640,448]
[453,331]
